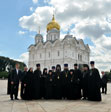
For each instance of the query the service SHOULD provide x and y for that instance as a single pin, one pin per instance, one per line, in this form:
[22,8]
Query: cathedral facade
[56,51]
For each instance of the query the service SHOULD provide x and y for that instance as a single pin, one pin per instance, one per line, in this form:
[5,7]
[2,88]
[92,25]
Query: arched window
[51,37]
[49,54]
[54,36]
[81,58]
[58,53]
[40,55]
[32,56]
[78,56]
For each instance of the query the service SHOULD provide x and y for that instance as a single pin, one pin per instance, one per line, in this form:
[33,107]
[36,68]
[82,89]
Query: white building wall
[51,54]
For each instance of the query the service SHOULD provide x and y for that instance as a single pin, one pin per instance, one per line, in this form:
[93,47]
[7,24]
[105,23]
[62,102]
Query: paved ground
[6,105]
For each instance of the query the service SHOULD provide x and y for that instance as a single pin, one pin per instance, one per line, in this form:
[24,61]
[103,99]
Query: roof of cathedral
[38,35]
[53,24]
[68,36]
[70,39]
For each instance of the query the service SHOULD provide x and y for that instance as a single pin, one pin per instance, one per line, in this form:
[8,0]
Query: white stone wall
[58,52]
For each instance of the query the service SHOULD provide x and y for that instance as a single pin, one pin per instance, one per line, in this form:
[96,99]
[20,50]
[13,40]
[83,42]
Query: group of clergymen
[56,84]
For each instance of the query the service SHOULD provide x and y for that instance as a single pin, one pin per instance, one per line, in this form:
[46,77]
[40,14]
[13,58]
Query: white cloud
[94,30]
[46,1]
[101,52]
[40,17]
[31,9]
[21,32]
[35,1]
[91,18]
[23,58]
[67,13]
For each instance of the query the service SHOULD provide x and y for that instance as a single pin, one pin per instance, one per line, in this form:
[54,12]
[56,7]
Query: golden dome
[53,24]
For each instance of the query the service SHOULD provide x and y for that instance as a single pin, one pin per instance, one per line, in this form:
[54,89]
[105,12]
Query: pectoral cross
[58,77]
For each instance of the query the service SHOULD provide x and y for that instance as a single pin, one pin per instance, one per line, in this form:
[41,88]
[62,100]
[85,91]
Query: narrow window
[40,55]
[49,54]
[58,53]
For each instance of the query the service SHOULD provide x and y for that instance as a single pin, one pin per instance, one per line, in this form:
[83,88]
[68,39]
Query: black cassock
[49,86]
[71,87]
[53,74]
[9,83]
[65,74]
[85,78]
[42,85]
[104,83]
[28,89]
[57,85]
[94,84]
[36,84]
[77,84]
[22,84]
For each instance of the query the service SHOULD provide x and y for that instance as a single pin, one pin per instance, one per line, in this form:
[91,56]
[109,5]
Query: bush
[4,74]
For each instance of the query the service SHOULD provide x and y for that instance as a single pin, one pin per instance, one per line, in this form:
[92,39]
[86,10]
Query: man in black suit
[15,78]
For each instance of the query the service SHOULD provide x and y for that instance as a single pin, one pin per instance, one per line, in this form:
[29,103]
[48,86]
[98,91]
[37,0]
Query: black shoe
[11,98]
[84,98]
[16,99]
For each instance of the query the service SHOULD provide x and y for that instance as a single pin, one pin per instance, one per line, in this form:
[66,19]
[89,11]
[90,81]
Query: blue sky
[12,44]
[20,19]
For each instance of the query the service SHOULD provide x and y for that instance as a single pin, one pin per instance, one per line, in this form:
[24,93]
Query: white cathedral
[56,51]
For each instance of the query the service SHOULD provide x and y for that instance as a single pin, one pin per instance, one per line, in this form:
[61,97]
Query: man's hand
[25,85]
[12,82]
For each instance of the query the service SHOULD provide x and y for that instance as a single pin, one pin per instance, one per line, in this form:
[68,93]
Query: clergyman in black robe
[94,84]
[77,82]
[49,85]
[36,82]
[104,82]
[71,88]
[58,83]
[53,70]
[65,74]
[9,83]
[28,85]
[85,76]
[24,73]
[42,83]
